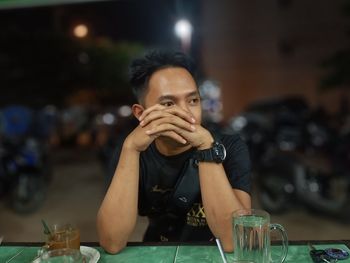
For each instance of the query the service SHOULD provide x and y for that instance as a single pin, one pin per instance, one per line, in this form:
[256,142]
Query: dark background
[251,52]
[41,61]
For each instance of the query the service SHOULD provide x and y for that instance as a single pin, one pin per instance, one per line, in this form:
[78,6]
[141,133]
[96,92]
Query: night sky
[147,21]
[37,47]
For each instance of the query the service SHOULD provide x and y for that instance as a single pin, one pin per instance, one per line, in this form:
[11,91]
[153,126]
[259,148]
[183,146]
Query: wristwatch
[217,153]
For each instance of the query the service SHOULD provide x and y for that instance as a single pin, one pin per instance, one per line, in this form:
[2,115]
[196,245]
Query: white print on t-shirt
[196,216]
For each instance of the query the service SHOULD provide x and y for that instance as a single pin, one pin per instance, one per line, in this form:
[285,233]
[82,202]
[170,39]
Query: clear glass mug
[251,237]
[63,236]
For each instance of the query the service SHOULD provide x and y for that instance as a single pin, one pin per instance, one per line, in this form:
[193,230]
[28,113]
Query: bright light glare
[125,111]
[108,118]
[81,31]
[183,28]
[239,123]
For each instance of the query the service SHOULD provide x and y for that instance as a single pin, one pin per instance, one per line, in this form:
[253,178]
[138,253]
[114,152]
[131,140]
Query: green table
[165,253]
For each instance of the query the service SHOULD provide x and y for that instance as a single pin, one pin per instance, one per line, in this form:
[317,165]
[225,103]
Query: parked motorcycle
[24,166]
[297,158]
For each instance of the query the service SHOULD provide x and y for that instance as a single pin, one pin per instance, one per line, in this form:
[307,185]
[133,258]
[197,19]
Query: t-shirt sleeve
[237,164]
[117,143]
[142,205]
[112,164]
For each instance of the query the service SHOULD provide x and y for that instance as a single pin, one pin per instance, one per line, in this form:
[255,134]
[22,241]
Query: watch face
[219,152]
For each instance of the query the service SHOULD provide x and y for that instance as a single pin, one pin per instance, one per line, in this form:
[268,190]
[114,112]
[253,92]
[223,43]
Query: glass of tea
[63,236]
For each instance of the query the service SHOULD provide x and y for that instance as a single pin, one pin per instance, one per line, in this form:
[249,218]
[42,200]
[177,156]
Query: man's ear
[137,110]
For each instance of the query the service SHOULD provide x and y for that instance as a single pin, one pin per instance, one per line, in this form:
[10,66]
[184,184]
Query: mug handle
[284,253]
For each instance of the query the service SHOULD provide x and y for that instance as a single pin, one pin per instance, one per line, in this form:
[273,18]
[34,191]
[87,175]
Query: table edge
[200,243]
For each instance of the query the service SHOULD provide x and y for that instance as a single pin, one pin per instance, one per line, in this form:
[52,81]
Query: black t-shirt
[169,192]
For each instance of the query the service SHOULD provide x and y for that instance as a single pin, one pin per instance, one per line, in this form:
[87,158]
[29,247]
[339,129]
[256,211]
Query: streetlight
[80,31]
[183,29]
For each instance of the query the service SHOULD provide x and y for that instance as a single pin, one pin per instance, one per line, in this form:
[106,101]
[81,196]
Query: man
[170,167]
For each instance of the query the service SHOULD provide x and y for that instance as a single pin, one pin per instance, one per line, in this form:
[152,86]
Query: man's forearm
[219,201]
[117,215]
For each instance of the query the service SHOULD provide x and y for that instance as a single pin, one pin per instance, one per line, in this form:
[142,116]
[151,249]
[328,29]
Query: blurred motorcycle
[297,158]
[270,124]
[24,169]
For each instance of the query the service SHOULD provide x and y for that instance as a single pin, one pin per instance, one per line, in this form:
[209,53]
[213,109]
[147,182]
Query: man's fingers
[181,113]
[162,126]
[147,111]
[152,116]
[158,118]
[170,134]
[157,110]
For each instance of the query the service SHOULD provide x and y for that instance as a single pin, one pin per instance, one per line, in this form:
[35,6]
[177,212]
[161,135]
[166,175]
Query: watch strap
[217,153]
[205,155]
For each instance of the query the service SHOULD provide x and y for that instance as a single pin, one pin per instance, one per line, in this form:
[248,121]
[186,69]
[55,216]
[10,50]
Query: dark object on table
[337,253]
[319,255]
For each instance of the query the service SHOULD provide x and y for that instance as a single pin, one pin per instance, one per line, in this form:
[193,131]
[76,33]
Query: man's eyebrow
[173,98]
[166,97]
[194,93]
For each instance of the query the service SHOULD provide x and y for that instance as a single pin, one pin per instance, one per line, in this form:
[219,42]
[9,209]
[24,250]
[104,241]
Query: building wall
[260,49]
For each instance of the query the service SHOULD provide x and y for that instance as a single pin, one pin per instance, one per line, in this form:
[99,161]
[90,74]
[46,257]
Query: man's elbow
[228,247]
[112,247]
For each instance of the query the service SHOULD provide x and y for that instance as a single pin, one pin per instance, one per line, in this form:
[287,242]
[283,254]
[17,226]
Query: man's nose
[184,106]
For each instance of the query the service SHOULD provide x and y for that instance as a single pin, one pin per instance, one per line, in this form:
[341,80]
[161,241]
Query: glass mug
[63,236]
[60,237]
[62,255]
[251,237]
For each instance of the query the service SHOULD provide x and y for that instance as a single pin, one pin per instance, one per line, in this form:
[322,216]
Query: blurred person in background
[170,168]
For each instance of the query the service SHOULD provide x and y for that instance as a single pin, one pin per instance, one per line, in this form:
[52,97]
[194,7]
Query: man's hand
[175,123]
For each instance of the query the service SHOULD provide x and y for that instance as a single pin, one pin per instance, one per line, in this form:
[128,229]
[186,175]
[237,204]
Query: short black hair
[141,69]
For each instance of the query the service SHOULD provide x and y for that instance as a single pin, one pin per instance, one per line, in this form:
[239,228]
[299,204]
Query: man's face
[174,86]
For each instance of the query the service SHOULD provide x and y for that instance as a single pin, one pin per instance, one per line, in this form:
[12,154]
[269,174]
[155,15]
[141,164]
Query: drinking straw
[177,250]
[223,256]
[47,230]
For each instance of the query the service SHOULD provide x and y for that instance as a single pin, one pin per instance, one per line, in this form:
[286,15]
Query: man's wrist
[205,146]
[207,143]
[129,146]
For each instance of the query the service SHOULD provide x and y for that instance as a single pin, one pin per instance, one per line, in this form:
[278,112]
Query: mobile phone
[337,253]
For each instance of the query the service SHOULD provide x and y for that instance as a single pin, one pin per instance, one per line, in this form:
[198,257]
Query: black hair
[141,69]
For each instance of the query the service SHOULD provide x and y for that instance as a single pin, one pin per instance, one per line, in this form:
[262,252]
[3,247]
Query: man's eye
[194,101]
[167,103]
